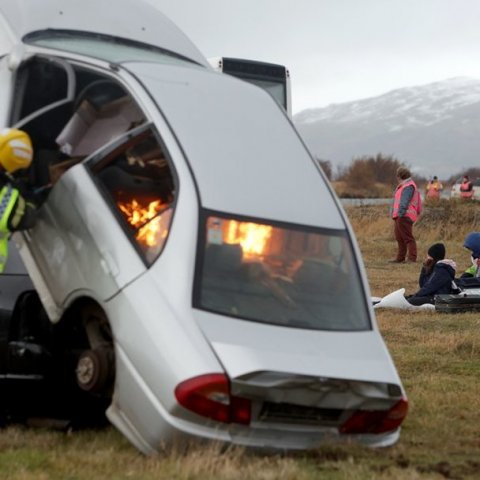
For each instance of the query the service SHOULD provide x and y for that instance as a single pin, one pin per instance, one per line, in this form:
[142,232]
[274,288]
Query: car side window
[40,84]
[70,112]
[140,185]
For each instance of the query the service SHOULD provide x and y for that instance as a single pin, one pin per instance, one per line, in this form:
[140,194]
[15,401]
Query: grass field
[437,356]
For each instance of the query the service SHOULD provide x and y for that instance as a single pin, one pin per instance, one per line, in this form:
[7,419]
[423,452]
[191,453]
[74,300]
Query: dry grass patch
[444,221]
[437,357]
[376,190]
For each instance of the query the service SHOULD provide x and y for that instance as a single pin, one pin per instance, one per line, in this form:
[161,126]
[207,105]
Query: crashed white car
[194,273]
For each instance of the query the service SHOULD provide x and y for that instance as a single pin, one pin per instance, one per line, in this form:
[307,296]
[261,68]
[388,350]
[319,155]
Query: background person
[433,189]
[466,188]
[407,206]
[472,243]
[436,276]
[15,212]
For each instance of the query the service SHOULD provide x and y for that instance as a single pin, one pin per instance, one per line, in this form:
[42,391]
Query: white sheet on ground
[470,291]
[397,299]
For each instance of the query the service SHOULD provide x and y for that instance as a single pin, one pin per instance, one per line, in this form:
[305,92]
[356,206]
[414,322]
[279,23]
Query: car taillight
[376,421]
[209,396]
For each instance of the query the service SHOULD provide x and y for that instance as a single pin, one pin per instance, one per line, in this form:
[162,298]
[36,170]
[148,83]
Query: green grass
[437,357]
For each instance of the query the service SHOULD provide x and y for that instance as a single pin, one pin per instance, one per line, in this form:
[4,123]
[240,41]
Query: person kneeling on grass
[436,277]
[472,243]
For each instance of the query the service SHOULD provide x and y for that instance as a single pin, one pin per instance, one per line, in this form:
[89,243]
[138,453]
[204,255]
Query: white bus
[273,78]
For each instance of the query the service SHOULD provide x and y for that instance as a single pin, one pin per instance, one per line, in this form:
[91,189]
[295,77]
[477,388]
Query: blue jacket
[438,281]
[407,195]
[405,199]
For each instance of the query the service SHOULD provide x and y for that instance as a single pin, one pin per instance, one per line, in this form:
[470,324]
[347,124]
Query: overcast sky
[339,50]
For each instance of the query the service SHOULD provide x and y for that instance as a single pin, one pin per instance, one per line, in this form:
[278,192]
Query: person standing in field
[407,206]
[466,188]
[433,189]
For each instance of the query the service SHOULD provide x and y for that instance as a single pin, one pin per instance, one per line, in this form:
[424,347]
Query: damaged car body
[192,272]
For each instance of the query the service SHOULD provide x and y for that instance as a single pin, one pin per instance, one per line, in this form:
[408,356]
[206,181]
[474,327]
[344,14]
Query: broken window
[41,83]
[140,185]
[69,113]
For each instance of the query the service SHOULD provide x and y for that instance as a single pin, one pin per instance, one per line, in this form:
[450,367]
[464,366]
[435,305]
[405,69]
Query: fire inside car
[297,277]
[139,181]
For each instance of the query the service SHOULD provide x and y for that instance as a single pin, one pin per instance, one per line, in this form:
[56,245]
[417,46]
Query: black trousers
[417,301]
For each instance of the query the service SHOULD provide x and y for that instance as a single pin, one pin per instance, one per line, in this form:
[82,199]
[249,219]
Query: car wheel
[95,370]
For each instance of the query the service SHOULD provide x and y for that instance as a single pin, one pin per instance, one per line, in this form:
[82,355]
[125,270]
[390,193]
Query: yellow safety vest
[8,198]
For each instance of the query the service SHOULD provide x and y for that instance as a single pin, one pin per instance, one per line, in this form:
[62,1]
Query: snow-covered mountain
[435,128]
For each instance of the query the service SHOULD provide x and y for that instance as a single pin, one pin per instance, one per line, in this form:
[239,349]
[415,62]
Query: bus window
[275,79]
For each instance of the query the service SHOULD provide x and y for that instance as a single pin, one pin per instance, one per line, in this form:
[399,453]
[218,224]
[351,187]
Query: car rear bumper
[150,427]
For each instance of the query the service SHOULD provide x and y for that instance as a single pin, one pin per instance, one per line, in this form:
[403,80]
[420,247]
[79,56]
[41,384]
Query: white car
[195,274]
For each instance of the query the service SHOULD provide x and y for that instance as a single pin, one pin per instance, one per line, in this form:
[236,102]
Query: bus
[273,78]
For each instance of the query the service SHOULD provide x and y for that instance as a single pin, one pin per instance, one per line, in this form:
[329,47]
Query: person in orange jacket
[433,189]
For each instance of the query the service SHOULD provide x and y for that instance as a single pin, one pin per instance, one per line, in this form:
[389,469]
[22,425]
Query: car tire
[95,370]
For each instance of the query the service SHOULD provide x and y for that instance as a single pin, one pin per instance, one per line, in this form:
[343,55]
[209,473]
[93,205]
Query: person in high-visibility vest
[466,188]
[16,213]
[407,206]
[434,187]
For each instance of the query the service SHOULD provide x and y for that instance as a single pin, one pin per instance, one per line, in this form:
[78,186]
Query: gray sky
[339,50]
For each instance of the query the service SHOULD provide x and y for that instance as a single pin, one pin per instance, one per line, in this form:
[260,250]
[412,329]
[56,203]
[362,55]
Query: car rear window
[284,275]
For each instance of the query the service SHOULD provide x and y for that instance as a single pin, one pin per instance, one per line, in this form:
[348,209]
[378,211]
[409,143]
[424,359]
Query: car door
[18,108]
[60,253]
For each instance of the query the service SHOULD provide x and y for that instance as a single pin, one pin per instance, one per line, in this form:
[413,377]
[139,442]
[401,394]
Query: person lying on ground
[436,277]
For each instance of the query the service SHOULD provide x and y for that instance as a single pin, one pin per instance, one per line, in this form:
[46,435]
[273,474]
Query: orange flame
[151,227]
[252,237]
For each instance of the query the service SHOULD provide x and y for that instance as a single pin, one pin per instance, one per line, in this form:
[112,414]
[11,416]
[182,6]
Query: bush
[369,177]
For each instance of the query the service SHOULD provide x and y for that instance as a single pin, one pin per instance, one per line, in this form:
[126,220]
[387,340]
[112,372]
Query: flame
[151,226]
[252,237]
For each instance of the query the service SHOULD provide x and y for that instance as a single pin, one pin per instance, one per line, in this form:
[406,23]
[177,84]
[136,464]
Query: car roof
[246,156]
[135,20]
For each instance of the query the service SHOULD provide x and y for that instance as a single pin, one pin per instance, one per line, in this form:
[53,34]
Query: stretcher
[463,302]
[467,300]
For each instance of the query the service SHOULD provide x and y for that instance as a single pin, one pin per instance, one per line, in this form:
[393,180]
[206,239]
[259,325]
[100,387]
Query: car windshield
[294,277]
[104,47]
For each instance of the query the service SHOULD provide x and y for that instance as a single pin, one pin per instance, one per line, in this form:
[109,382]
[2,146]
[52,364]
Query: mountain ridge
[435,128]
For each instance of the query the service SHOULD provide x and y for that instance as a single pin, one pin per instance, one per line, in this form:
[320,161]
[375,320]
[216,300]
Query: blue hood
[472,242]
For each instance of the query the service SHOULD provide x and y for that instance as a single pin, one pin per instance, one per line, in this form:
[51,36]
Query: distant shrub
[360,175]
